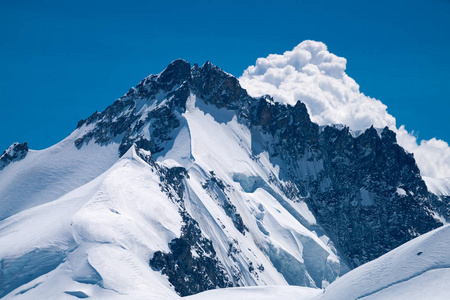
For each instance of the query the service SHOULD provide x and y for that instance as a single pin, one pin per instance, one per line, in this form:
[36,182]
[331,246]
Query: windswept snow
[432,284]
[417,270]
[46,175]
[103,233]
[260,293]
[403,273]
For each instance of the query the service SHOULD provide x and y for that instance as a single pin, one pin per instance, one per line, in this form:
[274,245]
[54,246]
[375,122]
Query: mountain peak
[177,71]
[208,65]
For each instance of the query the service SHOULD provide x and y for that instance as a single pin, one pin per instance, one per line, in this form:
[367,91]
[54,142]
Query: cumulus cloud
[432,156]
[315,76]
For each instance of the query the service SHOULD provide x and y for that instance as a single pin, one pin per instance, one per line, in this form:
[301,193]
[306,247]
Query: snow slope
[260,293]
[419,269]
[225,148]
[46,175]
[96,240]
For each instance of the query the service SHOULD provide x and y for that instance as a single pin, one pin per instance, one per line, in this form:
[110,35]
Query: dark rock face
[15,152]
[218,191]
[217,87]
[361,208]
[353,194]
[191,266]
[126,122]
[366,191]
[351,182]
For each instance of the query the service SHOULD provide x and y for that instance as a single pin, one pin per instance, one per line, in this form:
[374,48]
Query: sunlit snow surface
[260,293]
[94,236]
[417,270]
[46,175]
[84,223]
[101,236]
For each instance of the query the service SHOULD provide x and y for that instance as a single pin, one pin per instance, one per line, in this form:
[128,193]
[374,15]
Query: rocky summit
[186,183]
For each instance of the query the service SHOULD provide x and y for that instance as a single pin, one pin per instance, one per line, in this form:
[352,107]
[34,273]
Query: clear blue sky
[62,60]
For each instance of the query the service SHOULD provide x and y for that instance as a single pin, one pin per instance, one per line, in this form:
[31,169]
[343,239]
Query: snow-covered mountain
[186,183]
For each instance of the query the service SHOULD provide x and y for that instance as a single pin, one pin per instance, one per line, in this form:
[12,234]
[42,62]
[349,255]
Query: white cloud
[315,76]
[432,156]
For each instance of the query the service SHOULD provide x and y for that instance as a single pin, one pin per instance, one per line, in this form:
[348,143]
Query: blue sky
[61,61]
